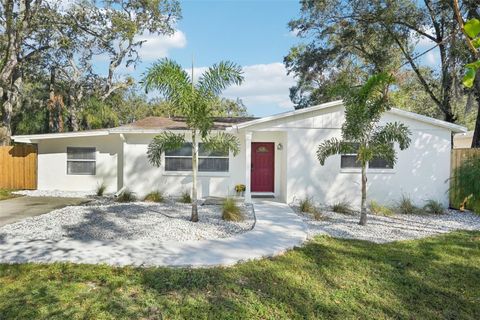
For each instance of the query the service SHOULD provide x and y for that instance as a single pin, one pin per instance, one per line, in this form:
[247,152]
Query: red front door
[263,166]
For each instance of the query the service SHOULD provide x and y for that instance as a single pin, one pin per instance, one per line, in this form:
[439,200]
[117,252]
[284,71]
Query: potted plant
[240,189]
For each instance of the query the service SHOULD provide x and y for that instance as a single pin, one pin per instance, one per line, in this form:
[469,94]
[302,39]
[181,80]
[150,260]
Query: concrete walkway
[277,229]
[16,209]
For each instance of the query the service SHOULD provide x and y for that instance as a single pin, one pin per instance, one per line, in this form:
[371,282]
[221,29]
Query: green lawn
[435,278]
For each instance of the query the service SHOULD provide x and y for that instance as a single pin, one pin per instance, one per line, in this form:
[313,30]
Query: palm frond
[384,151]
[393,132]
[220,76]
[165,141]
[333,146]
[222,142]
[170,79]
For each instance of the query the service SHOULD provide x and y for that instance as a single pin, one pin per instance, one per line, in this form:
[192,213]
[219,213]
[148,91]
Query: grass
[154,196]
[185,197]
[101,189]
[342,207]
[231,211]
[7,194]
[433,278]
[127,196]
[406,206]
[307,205]
[434,207]
[379,209]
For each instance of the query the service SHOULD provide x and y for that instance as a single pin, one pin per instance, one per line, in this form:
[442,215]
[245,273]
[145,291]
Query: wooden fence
[459,156]
[18,167]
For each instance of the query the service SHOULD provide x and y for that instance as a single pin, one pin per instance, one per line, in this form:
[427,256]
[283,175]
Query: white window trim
[82,160]
[199,173]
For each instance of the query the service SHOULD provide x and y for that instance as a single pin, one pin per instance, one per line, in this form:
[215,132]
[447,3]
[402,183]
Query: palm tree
[361,132]
[195,100]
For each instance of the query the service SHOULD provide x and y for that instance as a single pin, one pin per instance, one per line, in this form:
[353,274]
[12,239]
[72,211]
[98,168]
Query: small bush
[127,196]
[317,215]
[434,207]
[307,205]
[154,196]
[406,206]
[185,197]
[342,207]
[380,210]
[101,189]
[231,211]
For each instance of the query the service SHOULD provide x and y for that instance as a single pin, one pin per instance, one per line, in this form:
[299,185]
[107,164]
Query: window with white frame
[81,161]
[349,161]
[208,161]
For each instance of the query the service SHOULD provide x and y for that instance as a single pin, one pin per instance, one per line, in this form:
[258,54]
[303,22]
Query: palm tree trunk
[363,212]
[194,217]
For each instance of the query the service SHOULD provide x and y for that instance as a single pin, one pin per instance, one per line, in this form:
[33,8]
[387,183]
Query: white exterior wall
[421,171]
[52,164]
[142,177]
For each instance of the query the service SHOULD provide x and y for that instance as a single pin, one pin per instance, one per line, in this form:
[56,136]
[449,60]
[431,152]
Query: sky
[253,34]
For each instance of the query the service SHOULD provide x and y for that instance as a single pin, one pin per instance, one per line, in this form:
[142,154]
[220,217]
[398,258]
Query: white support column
[248,165]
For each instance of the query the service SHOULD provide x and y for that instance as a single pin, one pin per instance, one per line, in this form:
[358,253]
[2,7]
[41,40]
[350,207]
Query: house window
[379,163]
[208,161]
[81,161]
[350,161]
[212,161]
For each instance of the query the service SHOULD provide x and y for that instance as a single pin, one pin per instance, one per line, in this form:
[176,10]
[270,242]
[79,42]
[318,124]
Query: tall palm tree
[196,101]
[361,132]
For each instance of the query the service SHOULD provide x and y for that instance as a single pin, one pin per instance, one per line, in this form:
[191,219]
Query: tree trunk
[363,212]
[10,100]
[194,217]
[476,92]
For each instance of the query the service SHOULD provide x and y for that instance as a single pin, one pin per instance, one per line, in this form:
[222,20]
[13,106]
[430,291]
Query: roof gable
[287,116]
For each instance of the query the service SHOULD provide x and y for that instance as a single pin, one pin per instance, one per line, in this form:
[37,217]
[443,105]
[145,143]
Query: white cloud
[264,85]
[158,46]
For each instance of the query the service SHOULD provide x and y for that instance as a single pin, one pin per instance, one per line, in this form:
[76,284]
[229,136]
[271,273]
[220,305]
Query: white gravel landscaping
[55,193]
[381,229]
[129,221]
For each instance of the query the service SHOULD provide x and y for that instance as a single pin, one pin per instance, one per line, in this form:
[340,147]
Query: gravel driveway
[129,221]
[382,229]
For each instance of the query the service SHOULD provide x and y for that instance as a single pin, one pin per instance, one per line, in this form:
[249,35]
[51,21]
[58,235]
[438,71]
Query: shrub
[465,188]
[127,196]
[378,209]
[101,189]
[406,206]
[317,215]
[155,196]
[231,211]
[306,205]
[342,207]
[185,197]
[434,207]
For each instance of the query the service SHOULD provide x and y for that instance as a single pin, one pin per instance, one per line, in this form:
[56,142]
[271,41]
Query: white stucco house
[277,159]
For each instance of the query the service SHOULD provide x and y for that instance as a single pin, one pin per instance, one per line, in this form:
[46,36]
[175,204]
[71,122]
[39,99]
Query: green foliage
[434,207]
[342,207]
[154,196]
[165,141]
[406,206]
[307,205]
[101,189]
[127,196]
[222,142]
[231,211]
[378,209]
[6,194]
[472,30]
[185,197]
[466,184]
